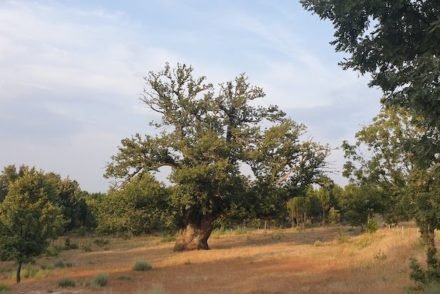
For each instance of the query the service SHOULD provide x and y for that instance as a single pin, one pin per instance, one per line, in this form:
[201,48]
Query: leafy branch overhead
[396,42]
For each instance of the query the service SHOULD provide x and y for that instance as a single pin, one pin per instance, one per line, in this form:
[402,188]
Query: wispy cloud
[69,78]
[70,75]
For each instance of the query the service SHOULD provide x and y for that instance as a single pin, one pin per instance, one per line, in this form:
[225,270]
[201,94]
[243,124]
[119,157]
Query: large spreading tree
[206,137]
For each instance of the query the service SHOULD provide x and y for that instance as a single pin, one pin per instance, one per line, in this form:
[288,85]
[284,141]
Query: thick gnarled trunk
[195,236]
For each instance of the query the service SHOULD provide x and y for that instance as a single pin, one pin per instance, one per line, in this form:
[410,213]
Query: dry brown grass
[317,260]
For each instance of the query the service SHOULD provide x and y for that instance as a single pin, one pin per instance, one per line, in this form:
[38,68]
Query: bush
[334,216]
[101,279]
[101,242]
[142,266]
[417,273]
[66,283]
[86,247]
[46,266]
[317,243]
[59,264]
[371,226]
[62,264]
[52,251]
[69,245]
[426,280]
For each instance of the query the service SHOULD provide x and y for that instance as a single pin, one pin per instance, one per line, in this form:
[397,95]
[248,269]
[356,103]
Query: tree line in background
[37,206]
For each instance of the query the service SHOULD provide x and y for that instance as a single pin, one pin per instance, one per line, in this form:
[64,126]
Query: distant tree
[68,195]
[392,164]
[140,206]
[360,203]
[284,166]
[206,136]
[382,157]
[28,218]
[396,42]
[298,209]
[9,174]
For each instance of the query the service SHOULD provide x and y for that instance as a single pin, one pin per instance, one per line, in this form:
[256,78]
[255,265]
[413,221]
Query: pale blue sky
[71,73]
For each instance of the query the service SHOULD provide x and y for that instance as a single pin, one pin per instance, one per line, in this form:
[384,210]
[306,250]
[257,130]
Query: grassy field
[315,260]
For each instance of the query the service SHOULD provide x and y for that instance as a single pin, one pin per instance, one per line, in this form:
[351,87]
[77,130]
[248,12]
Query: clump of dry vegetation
[247,263]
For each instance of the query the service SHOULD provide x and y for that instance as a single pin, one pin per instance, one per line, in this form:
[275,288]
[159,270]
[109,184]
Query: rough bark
[195,236]
[18,276]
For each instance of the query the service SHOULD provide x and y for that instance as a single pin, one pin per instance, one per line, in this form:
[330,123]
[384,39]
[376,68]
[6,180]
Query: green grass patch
[4,288]
[29,272]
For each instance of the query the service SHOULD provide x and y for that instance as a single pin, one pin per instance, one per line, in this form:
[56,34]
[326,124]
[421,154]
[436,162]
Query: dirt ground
[315,260]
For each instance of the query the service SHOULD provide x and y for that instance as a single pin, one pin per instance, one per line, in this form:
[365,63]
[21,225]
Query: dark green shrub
[426,280]
[66,283]
[417,273]
[86,247]
[142,266]
[59,264]
[371,226]
[101,279]
[68,245]
[101,242]
[62,264]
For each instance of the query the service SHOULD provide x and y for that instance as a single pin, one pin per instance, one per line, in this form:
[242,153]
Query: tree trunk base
[194,237]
